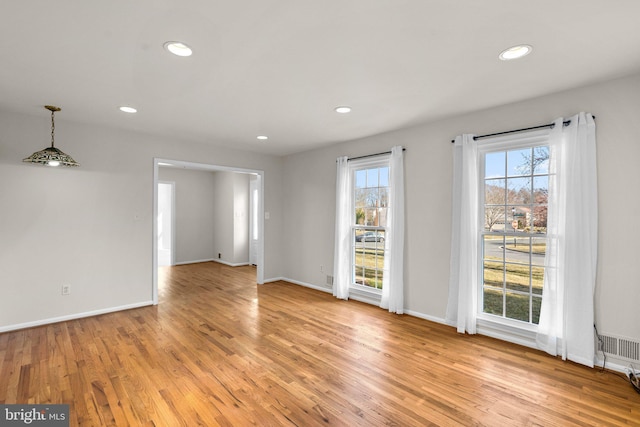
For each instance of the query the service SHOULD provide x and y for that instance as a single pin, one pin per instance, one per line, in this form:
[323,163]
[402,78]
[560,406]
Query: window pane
[539,219]
[517,306]
[382,217]
[492,301]
[519,191]
[360,198]
[493,248]
[541,160]
[519,218]
[538,250]
[494,165]
[519,162]
[540,189]
[517,277]
[361,179]
[493,274]
[383,194]
[371,197]
[517,249]
[540,198]
[494,192]
[494,218]
[372,178]
[384,177]
[370,215]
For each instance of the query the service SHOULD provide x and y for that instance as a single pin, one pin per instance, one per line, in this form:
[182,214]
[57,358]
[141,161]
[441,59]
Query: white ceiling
[280,67]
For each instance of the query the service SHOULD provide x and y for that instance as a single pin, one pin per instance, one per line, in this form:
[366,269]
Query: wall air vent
[621,347]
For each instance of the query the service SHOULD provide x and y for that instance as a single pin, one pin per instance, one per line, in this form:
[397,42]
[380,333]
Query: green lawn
[368,260]
[536,248]
[517,305]
[499,277]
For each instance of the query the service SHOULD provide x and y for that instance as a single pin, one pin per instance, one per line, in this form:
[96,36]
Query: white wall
[309,205]
[223,217]
[91,227]
[231,238]
[194,207]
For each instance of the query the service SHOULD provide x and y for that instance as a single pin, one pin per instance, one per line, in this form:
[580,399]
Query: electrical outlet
[219,255]
[66,289]
[322,269]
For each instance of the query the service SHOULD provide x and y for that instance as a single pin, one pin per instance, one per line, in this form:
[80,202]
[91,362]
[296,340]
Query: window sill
[369,296]
[506,330]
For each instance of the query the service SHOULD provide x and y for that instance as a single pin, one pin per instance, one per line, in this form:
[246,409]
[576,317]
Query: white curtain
[342,250]
[463,281]
[393,280]
[567,312]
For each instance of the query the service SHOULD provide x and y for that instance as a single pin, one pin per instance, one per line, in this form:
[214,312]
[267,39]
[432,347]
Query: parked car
[370,236]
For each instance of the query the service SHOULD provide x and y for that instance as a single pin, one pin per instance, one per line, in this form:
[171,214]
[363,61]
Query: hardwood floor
[220,350]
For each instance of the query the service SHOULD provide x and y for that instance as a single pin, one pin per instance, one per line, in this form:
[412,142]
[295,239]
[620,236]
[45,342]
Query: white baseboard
[51,320]
[194,261]
[306,285]
[433,319]
[238,264]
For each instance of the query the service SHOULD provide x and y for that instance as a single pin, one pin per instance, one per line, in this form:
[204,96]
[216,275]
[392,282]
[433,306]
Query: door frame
[157,162]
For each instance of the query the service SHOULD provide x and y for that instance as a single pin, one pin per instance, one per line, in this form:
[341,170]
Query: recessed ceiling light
[343,109]
[515,52]
[126,109]
[262,137]
[178,48]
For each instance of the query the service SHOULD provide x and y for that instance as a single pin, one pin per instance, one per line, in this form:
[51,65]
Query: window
[514,192]
[370,210]
[516,197]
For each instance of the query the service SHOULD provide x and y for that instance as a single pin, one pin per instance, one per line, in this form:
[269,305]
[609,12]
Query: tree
[494,206]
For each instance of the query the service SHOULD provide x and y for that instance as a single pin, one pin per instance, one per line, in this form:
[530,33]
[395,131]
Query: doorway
[165,218]
[257,179]
[254,199]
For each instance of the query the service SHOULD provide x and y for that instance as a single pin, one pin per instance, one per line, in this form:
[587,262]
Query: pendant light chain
[53,127]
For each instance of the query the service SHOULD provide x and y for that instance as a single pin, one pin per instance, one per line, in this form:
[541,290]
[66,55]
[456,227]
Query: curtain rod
[372,155]
[549,125]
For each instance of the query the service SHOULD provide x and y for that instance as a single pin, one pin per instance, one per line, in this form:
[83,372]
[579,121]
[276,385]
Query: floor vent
[621,347]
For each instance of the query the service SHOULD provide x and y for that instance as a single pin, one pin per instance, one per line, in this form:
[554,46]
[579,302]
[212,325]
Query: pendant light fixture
[51,156]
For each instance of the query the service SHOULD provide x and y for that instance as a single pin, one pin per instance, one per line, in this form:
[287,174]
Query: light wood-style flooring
[221,350]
